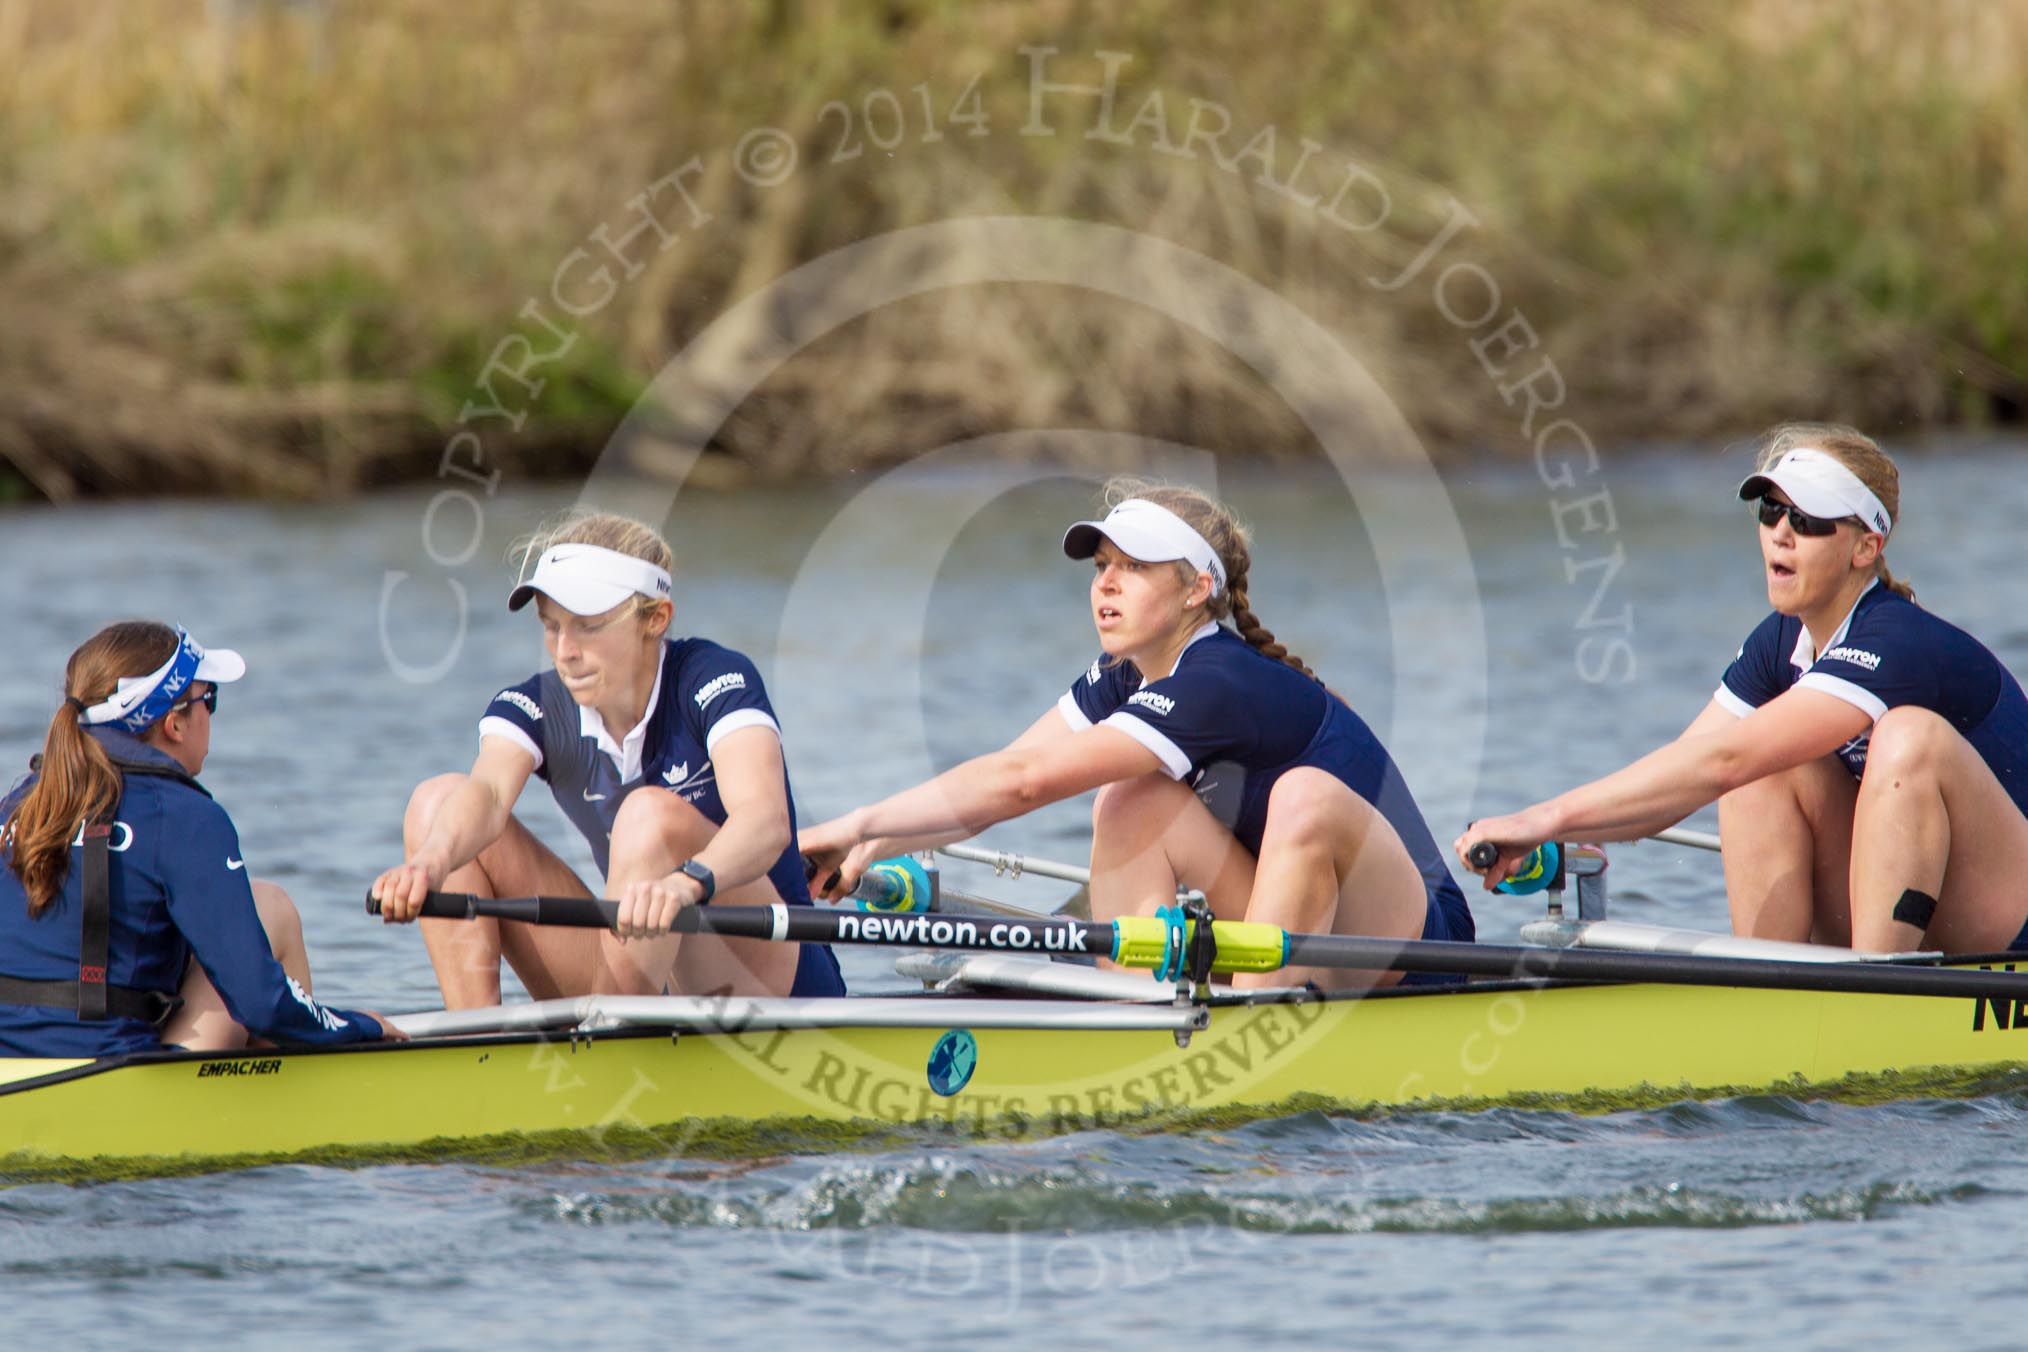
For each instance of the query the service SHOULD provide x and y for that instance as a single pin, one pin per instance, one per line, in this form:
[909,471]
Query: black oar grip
[579,912]
[1483,855]
[439,905]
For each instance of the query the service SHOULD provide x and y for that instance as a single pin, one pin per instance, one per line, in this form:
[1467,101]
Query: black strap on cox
[91,995]
[96,922]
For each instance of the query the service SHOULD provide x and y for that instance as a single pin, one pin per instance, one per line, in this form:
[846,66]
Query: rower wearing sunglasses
[1869,759]
[125,906]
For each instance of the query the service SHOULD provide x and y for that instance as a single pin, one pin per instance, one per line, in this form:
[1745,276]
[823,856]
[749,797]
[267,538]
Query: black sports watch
[703,875]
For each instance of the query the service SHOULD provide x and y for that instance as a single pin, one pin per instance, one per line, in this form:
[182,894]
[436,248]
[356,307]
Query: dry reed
[264,249]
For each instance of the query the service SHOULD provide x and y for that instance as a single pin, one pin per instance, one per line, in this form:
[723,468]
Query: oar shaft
[1007,861]
[1244,947]
[1696,840]
[1675,969]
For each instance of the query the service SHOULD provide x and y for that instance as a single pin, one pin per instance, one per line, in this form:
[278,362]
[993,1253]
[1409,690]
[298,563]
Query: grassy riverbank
[268,249]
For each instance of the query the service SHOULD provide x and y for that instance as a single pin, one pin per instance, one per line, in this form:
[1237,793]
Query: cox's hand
[401,890]
[388,1032]
[1514,836]
[648,907]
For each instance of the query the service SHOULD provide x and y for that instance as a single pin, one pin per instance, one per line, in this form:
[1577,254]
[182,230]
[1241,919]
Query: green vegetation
[268,249]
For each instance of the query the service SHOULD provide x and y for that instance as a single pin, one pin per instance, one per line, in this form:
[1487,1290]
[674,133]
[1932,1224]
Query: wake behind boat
[1006,1043]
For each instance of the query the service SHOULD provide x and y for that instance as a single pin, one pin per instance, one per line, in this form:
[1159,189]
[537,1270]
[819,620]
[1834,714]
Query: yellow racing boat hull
[1572,1045]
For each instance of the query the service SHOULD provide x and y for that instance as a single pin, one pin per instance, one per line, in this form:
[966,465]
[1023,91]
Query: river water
[904,623]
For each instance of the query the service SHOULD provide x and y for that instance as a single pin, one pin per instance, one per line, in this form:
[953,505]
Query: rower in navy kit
[1222,762]
[127,920]
[688,804]
[1870,760]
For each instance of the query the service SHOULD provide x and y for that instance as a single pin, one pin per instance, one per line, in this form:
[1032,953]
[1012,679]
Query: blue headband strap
[147,699]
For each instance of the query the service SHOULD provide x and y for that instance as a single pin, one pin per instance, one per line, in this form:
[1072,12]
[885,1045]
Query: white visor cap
[137,701]
[590,580]
[1820,484]
[220,666]
[1149,532]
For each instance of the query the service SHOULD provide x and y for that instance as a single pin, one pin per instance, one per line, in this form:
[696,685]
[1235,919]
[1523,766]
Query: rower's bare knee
[1812,788]
[279,916]
[1909,743]
[657,825]
[1309,808]
[1782,788]
[283,924]
[424,803]
[1133,803]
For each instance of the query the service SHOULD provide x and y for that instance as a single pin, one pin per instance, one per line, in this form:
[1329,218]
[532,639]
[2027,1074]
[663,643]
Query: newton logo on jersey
[1858,657]
[712,689]
[519,701]
[1153,702]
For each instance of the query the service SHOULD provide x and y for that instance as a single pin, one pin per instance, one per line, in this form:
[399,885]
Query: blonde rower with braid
[1222,762]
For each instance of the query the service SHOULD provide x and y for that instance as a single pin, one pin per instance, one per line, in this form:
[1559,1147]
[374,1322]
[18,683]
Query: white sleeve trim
[737,719]
[1174,763]
[1072,715]
[495,726]
[1731,702]
[1845,690]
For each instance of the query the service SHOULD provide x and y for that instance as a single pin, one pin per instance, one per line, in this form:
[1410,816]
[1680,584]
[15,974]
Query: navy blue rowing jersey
[702,693]
[1891,652]
[1229,721]
[179,888]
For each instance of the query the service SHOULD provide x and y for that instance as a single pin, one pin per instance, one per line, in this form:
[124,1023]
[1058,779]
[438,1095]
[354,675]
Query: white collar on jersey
[627,753]
[1204,631]
[1805,656]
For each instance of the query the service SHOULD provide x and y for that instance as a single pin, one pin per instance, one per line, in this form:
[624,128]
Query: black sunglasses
[209,699]
[1799,520]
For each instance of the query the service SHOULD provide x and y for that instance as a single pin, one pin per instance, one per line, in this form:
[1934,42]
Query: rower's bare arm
[1044,730]
[1050,727]
[1040,767]
[1713,717]
[471,817]
[1717,754]
[754,789]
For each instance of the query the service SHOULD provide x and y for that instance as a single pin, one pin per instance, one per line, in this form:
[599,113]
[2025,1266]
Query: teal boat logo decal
[952,1062]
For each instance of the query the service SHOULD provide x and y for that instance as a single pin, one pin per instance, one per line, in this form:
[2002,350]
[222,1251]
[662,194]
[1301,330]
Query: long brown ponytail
[1224,533]
[78,782]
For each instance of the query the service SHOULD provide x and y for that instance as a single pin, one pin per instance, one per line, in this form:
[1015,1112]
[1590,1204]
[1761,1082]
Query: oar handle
[1483,855]
[578,912]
